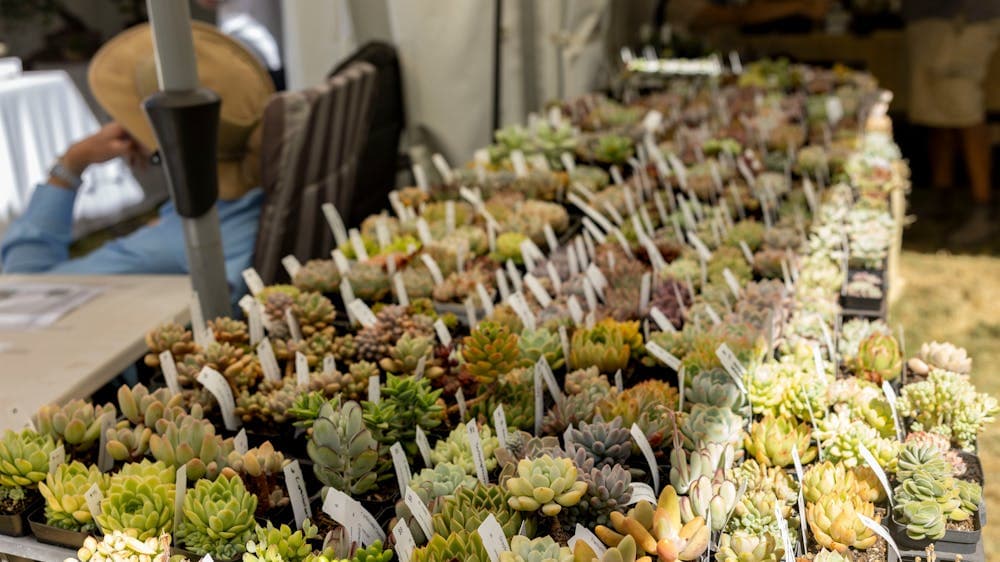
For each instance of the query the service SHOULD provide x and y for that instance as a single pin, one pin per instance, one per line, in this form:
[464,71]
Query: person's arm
[39,239]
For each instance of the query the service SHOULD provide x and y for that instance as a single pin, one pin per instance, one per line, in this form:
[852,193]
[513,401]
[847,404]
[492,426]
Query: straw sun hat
[123,73]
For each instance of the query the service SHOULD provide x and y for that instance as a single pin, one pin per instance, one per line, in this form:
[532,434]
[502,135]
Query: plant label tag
[590,212]
[890,397]
[619,383]
[94,497]
[180,490]
[485,299]
[542,366]
[651,122]
[420,177]
[402,467]
[732,365]
[661,210]
[443,168]
[462,405]
[786,275]
[679,170]
[575,311]
[202,335]
[256,322]
[879,530]
[783,528]
[353,516]
[591,231]
[297,493]
[830,348]
[405,545]
[662,322]
[291,265]
[500,423]
[712,314]
[340,260]
[293,325]
[664,356]
[329,365]
[336,223]
[515,276]
[554,277]
[364,315]
[478,457]
[680,389]
[301,370]
[746,173]
[802,506]
[215,383]
[519,163]
[591,296]
[539,292]
[397,205]
[581,252]
[470,311]
[432,266]
[502,284]
[374,389]
[424,446]
[442,332]
[818,362]
[169,368]
[568,162]
[424,231]
[590,539]
[734,285]
[747,254]
[527,256]
[647,451]
[520,306]
[539,401]
[397,283]
[240,443]
[642,492]
[699,246]
[268,362]
[654,253]
[564,339]
[877,468]
[494,539]
[550,238]
[254,283]
[358,244]
[56,458]
[737,200]
[419,510]
[104,460]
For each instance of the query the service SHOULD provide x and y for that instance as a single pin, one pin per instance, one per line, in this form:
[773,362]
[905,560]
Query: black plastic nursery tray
[953,542]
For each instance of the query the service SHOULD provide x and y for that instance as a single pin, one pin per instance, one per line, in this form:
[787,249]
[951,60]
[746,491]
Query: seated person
[122,74]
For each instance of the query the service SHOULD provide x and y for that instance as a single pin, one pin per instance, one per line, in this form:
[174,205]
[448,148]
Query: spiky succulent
[489,351]
[218,517]
[64,489]
[24,458]
[878,359]
[771,441]
[343,450]
[542,549]
[835,525]
[407,402]
[468,507]
[77,424]
[140,497]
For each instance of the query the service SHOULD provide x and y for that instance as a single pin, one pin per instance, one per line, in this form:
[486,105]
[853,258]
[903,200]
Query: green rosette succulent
[542,549]
[711,424]
[407,402]
[919,457]
[742,546]
[218,517]
[601,346]
[835,525]
[455,449]
[924,519]
[139,497]
[608,490]
[344,453]
[465,511]
[539,343]
[64,489]
[771,441]
[281,543]
[545,484]
[441,481]
[24,458]
[715,387]
[77,424]
[878,359]
[465,546]
[191,442]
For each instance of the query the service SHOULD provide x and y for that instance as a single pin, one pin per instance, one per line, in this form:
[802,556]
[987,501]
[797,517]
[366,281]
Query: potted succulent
[24,462]
[218,518]
[66,520]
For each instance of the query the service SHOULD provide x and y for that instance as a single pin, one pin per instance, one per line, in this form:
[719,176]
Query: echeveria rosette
[64,489]
[218,517]
[456,450]
[139,497]
[834,522]
[743,546]
[878,359]
[545,484]
[24,458]
[772,440]
[542,549]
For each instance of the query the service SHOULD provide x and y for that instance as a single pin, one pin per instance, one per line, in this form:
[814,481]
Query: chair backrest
[379,160]
[312,140]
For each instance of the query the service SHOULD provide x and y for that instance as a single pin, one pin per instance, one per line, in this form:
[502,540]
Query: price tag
[56,458]
[731,364]
[202,336]
[301,370]
[478,457]
[374,389]
[424,231]
[494,539]
[268,362]
[94,497]
[520,306]
[180,490]
[485,299]
[170,371]
[419,511]
[292,265]
[329,365]
[890,397]
[420,177]
[699,246]
[642,492]
[539,292]
[619,383]
[362,313]
[877,468]
[254,283]
[515,276]
[293,325]
[353,516]
[442,332]
[405,545]
[588,538]
[520,164]
[647,451]
[215,383]
[662,322]
[734,285]
[443,168]
[402,467]
[336,223]
[574,309]
[664,356]
[297,493]
[463,407]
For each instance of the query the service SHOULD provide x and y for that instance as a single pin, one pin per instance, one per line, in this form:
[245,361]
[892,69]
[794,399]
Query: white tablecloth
[41,114]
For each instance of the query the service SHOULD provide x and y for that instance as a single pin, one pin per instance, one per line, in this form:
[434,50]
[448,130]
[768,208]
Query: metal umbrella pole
[185,120]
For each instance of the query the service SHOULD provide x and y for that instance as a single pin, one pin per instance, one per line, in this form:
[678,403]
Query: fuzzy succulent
[834,523]
[139,497]
[192,442]
[218,517]
[455,449]
[343,450]
[546,484]
[489,351]
[771,441]
[24,458]
[63,491]
[878,359]
[542,549]
[742,546]
[468,507]
[77,424]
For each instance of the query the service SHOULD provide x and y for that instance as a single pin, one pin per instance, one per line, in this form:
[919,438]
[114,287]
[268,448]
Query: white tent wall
[550,50]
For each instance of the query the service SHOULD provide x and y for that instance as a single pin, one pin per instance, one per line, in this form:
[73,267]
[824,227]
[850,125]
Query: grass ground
[957,299]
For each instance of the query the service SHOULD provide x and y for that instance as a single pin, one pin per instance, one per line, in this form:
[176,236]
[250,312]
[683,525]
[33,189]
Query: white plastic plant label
[550,238]
[180,490]
[575,311]
[420,177]
[519,162]
[268,362]
[567,161]
[401,466]
[801,500]
[890,397]
[662,322]
[661,209]
[362,313]
[240,442]
[647,451]
[336,222]
[664,356]
[93,497]
[470,311]
[291,265]
[169,368]
[747,254]
[104,460]
[405,545]
[681,385]
[539,292]
[340,260]
[301,370]
[734,285]
[494,539]
[712,314]
[418,371]
[215,383]
[423,445]
[297,494]
[353,516]
[478,457]
[329,365]
[255,322]
[877,468]
[374,389]
[589,294]
[502,284]
[590,539]
[564,340]
[500,423]
[539,402]
[463,407]
[591,212]
[520,306]
[443,168]
[651,122]
[202,335]
[732,365]
[419,511]
[515,276]
[433,268]
[543,369]
[254,283]
[880,531]
[699,246]
[293,325]
[484,298]
[56,458]
[642,491]
[358,244]
[442,332]
[619,383]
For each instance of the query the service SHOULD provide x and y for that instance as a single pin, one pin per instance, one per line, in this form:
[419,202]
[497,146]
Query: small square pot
[54,535]
[954,542]
[16,525]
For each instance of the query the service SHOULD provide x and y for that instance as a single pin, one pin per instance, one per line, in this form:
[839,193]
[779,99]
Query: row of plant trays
[867,307]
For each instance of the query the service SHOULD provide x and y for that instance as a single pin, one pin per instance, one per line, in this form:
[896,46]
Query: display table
[41,114]
[87,347]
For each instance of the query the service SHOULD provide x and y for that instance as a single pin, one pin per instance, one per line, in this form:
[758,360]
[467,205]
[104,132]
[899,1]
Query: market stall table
[90,345]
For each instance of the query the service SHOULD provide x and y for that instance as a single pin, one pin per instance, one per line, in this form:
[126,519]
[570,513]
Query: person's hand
[112,141]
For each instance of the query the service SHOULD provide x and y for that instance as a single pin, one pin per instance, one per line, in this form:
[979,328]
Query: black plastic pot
[54,535]
[178,551]
[16,525]
[954,542]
